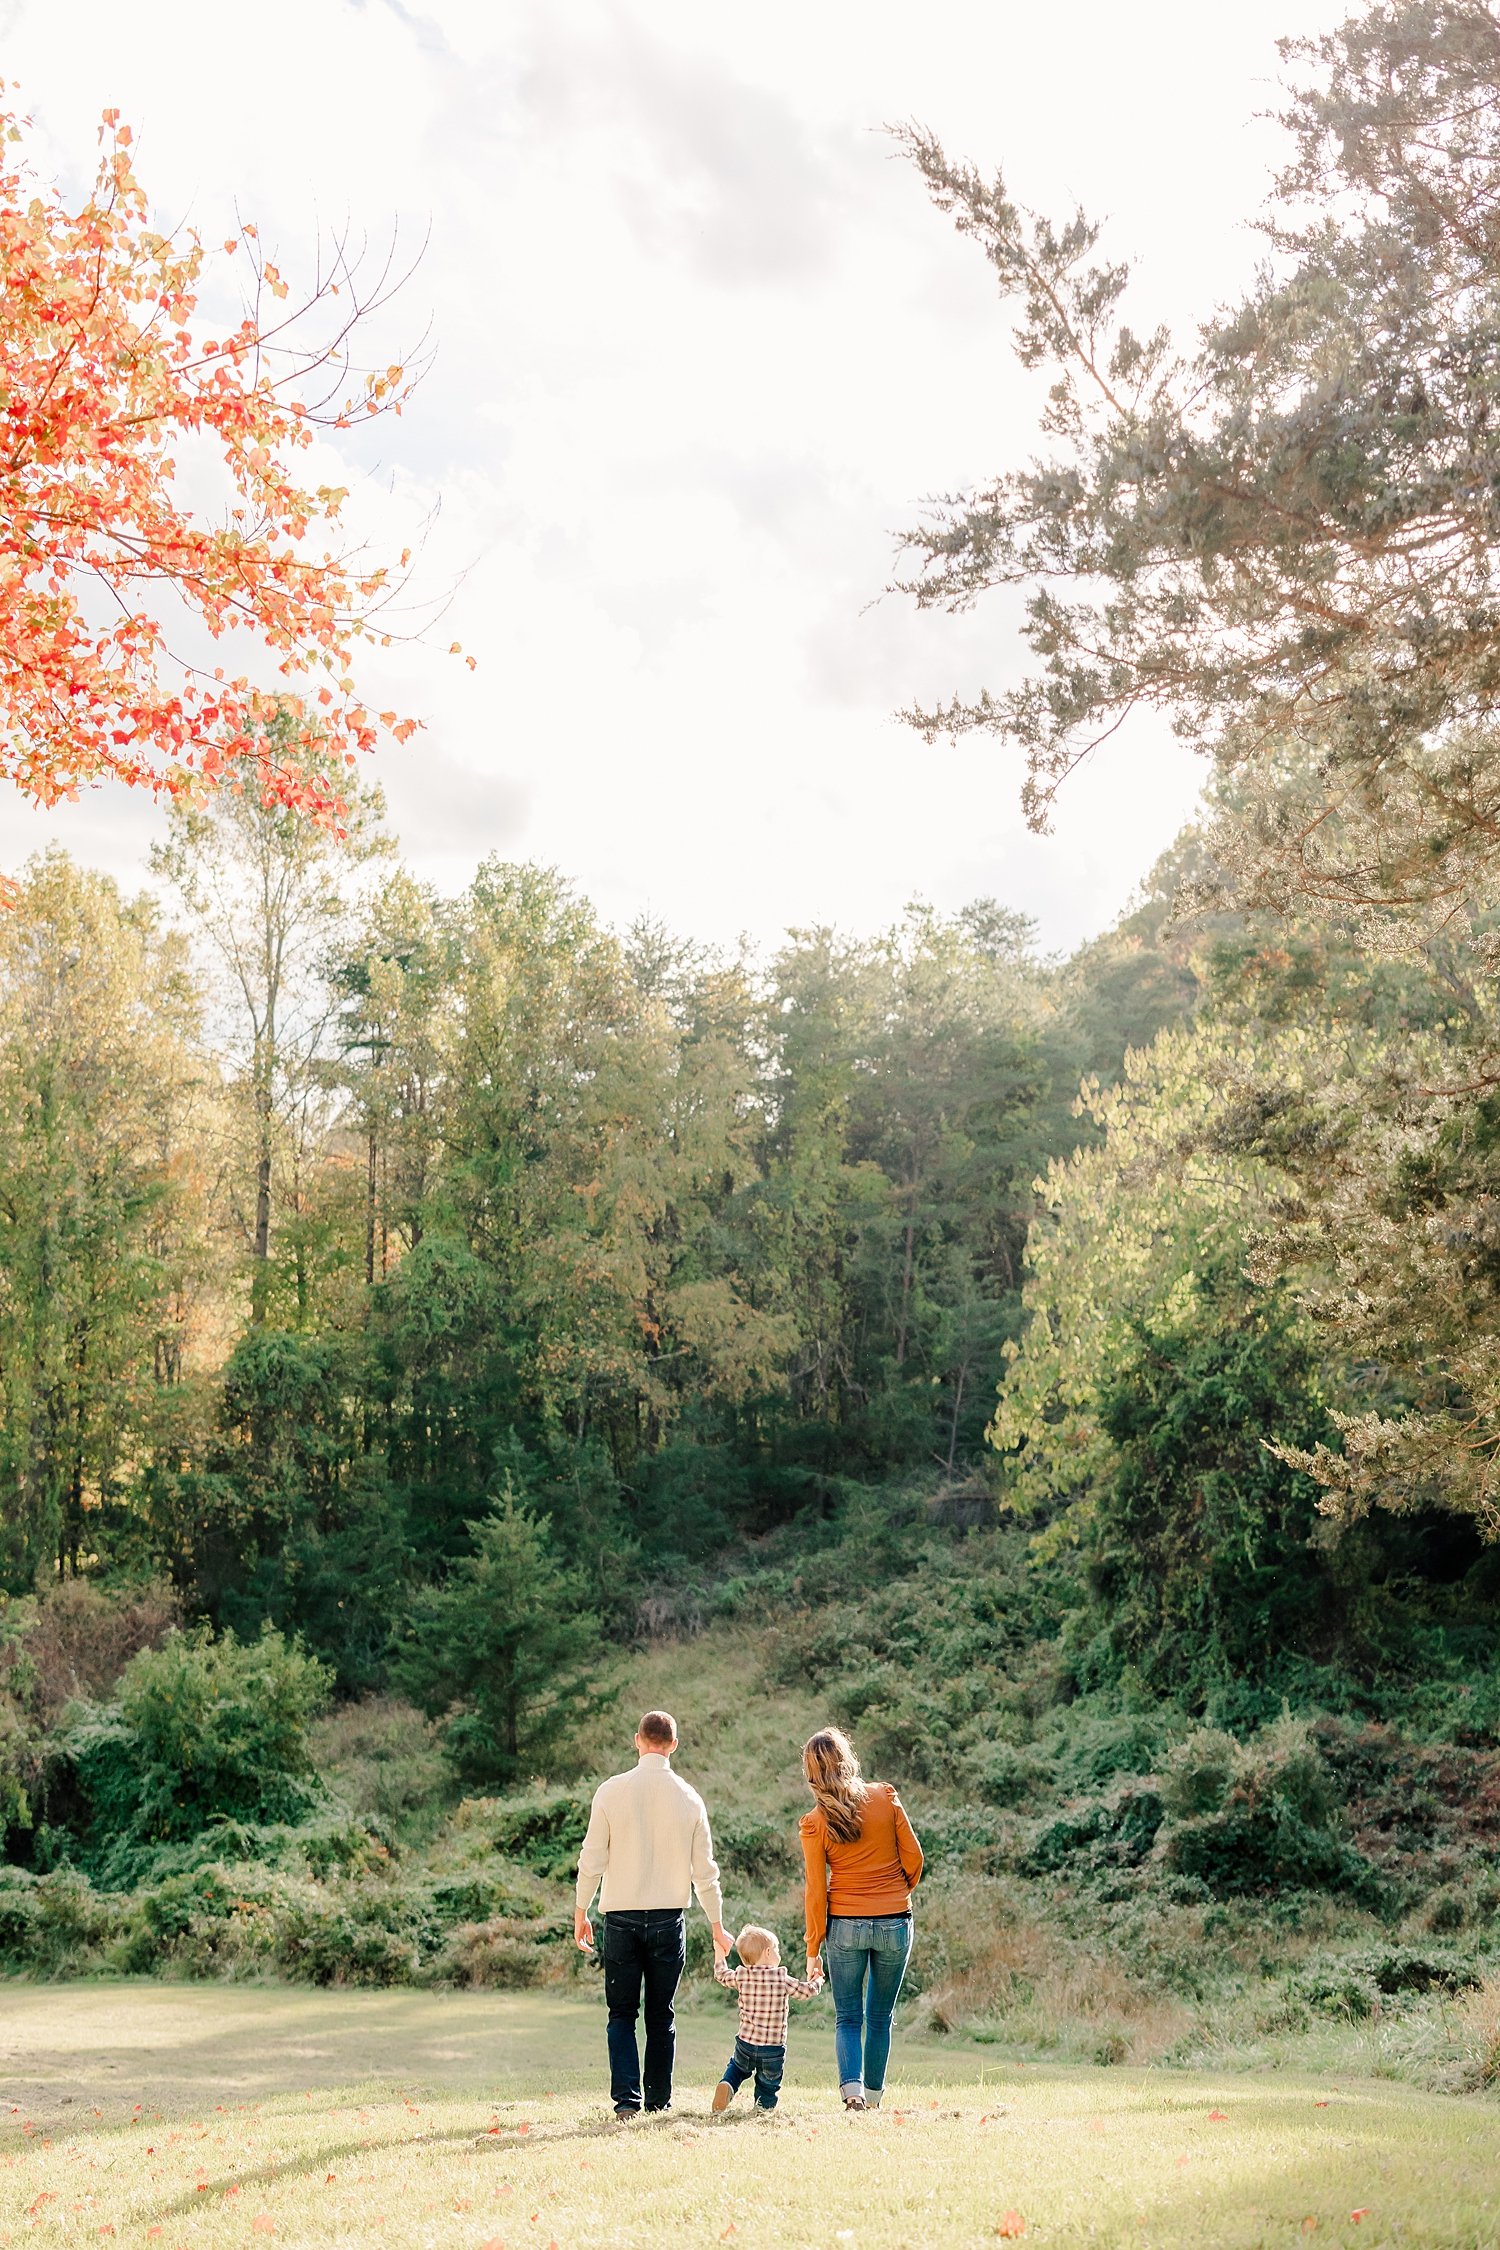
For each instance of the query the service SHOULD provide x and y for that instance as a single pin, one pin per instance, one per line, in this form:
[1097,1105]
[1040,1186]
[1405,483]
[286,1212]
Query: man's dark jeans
[643,1956]
[764,2064]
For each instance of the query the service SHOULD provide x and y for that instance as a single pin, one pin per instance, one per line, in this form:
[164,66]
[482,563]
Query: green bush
[543,1830]
[755,1851]
[1005,1776]
[507,1952]
[1197,1774]
[1267,1816]
[201,1729]
[1100,1835]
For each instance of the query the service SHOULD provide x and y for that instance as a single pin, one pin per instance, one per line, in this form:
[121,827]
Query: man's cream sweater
[648,1842]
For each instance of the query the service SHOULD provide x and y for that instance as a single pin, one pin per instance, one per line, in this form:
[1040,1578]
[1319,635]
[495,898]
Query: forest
[427,1323]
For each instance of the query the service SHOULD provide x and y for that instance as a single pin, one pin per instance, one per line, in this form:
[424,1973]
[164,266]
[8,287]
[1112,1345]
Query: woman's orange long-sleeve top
[876,1874]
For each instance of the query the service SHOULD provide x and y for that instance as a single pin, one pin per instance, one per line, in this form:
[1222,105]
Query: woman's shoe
[854,2096]
[872,2097]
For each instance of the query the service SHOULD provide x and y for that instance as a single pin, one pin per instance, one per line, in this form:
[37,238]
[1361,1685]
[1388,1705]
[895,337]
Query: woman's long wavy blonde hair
[834,1778]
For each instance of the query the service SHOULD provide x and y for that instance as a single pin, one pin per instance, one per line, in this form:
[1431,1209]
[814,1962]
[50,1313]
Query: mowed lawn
[213,2115]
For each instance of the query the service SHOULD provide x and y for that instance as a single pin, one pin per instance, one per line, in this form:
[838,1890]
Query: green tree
[1201,1559]
[504,1650]
[1282,536]
[268,893]
[103,1201]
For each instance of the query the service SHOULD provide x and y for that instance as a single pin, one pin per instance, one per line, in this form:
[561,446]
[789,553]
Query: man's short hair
[658,1726]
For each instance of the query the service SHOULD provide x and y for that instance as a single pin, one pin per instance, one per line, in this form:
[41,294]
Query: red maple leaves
[106,383]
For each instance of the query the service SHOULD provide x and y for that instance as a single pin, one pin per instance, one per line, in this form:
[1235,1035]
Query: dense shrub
[1266,1816]
[751,1850]
[200,1729]
[1201,1566]
[507,1952]
[1103,1833]
[542,1830]
[71,1643]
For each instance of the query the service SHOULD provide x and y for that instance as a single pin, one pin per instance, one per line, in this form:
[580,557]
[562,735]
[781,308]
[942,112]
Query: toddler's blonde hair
[754,1943]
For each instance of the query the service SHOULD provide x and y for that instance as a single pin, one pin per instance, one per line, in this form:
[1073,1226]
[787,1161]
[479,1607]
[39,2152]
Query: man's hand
[583,1929]
[722,1939]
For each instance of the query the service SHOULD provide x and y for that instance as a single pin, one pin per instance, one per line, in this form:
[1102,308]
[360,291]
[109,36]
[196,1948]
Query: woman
[863,1862]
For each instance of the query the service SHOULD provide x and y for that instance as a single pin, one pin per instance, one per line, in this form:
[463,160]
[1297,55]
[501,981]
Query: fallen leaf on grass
[1218,2117]
[728,2231]
[1362,2213]
[263,2223]
[494,2243]
[1011,2226]
[1309,2224]
[152,2233]
[1320,2105]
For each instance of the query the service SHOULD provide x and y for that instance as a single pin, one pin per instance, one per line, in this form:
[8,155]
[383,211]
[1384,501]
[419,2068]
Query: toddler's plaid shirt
[764,1989]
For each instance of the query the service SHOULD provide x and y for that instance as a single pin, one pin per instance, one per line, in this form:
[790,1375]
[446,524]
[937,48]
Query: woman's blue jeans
[867,1957]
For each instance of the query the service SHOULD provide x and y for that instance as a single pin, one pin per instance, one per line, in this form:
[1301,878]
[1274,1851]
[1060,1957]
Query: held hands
[722,1940]
[815,1970]
[583,1929]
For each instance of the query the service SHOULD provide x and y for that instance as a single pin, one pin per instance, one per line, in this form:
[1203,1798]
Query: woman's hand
[815,1967]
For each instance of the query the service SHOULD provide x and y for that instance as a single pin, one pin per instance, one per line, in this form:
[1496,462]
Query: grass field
[209,2115]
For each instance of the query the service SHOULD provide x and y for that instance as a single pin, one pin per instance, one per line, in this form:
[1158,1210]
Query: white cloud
[702,347]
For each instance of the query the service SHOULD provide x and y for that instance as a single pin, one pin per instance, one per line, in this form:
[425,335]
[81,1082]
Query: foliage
[1276,536]
[503,1650]
[1201,1556]
[199,1730]
[108,378]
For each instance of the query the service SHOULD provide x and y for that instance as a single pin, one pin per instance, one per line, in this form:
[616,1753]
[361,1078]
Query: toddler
[764,1988]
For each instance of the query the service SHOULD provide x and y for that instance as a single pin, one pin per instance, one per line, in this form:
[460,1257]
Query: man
[649,1845]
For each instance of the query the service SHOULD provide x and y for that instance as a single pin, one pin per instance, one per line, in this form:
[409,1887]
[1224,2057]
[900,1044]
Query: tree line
[354,1240]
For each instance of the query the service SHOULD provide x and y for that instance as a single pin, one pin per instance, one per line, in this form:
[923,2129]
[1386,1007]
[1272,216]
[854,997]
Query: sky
[701,350]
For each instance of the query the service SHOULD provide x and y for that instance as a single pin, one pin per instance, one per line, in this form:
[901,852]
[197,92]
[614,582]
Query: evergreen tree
[504,1651]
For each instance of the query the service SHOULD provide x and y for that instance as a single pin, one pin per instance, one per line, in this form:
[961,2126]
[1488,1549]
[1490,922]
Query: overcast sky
[702,347]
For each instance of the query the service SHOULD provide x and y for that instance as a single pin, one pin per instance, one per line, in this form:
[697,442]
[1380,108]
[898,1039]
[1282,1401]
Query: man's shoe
[723,2096]
[624,2112]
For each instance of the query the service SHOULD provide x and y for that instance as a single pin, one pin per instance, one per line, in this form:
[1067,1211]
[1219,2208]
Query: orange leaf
[1218,2117]
[728,2231]
[1012,2226]
[1362,2213]
[495,2242]
[263,2223]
